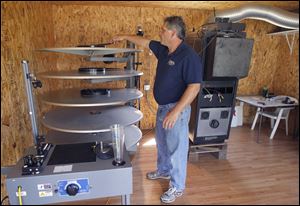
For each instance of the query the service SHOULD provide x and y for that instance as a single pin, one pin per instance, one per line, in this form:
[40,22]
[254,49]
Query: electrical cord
[210,95]
[149,105]
[234,32]
[207,90]
[218,92]
[213,38]
[2,201]
[198,32]
[137,62]
[19,195]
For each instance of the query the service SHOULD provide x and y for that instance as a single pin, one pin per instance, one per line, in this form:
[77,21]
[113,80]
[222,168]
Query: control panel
[73,187]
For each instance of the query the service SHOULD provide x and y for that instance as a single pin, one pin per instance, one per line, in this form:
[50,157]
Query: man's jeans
[172,145]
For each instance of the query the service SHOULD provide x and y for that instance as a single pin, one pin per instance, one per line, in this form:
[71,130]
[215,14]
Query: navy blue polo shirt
[174,71]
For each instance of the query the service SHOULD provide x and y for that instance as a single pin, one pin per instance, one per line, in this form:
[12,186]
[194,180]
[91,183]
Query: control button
[204,115]
[224,114]
[214,123]
[72,189]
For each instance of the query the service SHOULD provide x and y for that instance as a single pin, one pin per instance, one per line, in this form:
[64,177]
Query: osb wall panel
[287,74]
[271,65]
[263,62]
[286,77]
[200,5]
[25,27]
[75,25]
[95,24]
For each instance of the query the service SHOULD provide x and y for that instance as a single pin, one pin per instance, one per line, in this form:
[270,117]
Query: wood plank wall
[286,77]
[94,24]
[271,65]
[26,26]
[107,21]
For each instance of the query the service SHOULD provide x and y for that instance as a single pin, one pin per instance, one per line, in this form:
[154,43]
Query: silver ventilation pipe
[276,16]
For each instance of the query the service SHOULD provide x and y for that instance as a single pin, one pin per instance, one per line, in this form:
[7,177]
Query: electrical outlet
[147,87]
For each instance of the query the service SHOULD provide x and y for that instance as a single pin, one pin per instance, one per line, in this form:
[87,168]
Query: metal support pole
[125,199]
[139,108]
[259,128]
[130,65]
[291,45]
[130,83]
[27,78]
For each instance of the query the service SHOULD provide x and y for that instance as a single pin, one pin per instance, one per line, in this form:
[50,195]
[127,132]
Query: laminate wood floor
[264,173]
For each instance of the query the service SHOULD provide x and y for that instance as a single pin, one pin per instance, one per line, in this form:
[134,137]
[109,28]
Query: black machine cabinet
[212,112]
[225,53]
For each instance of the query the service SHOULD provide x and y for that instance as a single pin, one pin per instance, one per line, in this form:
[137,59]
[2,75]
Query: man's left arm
[188,96]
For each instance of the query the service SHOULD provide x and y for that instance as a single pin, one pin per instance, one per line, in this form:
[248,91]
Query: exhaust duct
[276,16]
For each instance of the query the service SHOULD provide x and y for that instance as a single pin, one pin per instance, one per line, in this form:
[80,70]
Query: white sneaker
[170,195]
[156,175]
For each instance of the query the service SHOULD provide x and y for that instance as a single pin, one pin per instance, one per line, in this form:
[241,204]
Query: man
[177,83]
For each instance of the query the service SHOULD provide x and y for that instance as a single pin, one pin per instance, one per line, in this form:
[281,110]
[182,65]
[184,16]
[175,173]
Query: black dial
[214,123]
[72,189]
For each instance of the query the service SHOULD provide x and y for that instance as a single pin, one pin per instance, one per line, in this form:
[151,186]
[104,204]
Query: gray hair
[177,23]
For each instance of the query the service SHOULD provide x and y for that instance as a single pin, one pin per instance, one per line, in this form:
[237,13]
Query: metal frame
[198,104]
[112,59]
[31,105]
[286,33]
[15,178]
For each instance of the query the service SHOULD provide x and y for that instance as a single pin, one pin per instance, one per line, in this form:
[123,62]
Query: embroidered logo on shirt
[171,63]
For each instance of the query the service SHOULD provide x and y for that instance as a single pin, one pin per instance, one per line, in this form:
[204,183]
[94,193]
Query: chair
[278,114]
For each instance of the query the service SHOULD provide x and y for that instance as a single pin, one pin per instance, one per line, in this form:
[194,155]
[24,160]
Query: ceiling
[203,5]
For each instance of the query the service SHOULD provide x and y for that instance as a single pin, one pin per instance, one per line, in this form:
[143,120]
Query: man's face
[166,35]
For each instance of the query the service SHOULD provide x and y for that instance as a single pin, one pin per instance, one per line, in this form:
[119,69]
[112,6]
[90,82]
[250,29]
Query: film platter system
[74,160]
[226,53]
